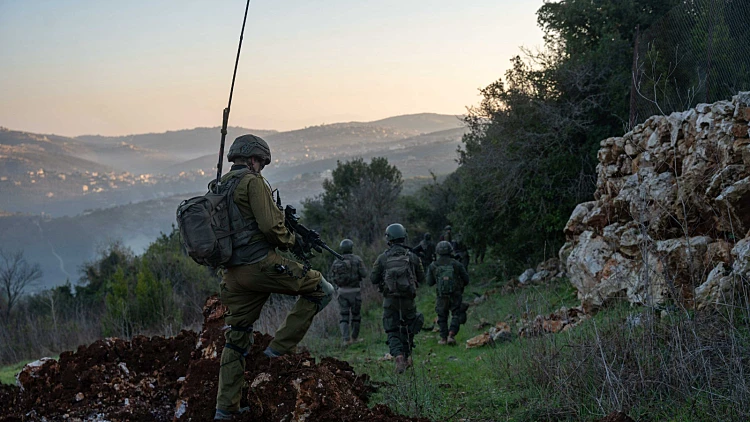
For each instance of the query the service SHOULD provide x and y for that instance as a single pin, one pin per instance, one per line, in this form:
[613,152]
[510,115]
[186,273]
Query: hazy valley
[63,198]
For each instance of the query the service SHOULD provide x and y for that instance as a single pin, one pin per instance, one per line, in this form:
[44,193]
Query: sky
[80,67]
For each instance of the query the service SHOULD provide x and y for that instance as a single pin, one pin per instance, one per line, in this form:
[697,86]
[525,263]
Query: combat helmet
[247,146]
[427,236]
[444,248]
[447,228]
[395,233]
[346,246]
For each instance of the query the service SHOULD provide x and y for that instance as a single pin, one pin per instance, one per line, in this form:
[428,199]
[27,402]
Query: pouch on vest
[399,276]
[446,280]
[206,224]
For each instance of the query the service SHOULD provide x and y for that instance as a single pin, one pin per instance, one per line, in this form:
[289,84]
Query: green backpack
[212,225]
[342,273]
[399,276]
[446,279]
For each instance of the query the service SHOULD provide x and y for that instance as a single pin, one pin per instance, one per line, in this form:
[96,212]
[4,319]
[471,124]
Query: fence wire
[698,53]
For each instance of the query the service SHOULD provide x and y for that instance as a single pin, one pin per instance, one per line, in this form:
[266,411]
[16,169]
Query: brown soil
[616,417]
[162,379]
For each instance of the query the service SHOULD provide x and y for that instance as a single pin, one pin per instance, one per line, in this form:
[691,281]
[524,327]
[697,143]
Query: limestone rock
[716,289]
[525,278]
[741,255]
[671,215]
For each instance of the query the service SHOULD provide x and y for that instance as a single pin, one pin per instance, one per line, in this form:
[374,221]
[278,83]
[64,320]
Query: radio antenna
[225,119]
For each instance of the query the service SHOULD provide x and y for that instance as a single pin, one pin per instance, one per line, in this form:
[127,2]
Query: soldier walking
[425,250]
[347,275]
[460,250]
[255,271]
[397,273]
[451,277]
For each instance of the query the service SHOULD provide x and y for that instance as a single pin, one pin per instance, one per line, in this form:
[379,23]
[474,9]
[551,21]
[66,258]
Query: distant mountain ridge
[421,122]
[65,197]
[63,176]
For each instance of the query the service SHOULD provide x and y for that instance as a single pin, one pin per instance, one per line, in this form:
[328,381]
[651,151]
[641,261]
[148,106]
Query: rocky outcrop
[671,215]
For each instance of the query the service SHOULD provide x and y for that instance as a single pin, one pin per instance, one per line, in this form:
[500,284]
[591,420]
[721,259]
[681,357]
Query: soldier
[347,275]
[397,273]
[461,250]
[425,250]
[447,234]
[451,277]
[256,270]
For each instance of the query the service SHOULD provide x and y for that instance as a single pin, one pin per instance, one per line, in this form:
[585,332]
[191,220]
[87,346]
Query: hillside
[61,245]
[178,144]
[422,122]
[24,152]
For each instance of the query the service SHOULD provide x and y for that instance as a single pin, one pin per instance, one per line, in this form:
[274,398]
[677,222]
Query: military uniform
[254,272]
[401,321]
[350,296]
[462,252]
[447,235]
[450,303]
[426,249]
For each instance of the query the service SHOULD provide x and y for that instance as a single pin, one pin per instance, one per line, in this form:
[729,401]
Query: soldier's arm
[419,270]
[329,277]
[376,275]
[431,276]
[462,273]
[362,270]
[419,250]
[269,217]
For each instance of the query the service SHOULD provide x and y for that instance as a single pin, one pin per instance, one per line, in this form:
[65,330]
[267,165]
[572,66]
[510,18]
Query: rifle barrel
[334,253]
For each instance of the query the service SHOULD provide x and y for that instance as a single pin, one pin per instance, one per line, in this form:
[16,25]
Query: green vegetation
[8,373]
[119,294]
[653,365]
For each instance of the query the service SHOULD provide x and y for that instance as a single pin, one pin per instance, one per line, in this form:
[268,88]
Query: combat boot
[226,415]
[272,353]
[451,339]
[344,333]
[409,362]
[401,364]
[443,341]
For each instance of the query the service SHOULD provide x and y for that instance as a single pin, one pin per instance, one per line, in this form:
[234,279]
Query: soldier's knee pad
[327,289]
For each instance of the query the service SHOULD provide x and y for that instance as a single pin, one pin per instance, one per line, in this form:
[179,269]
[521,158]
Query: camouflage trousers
[350,306]
[449,304]
[244,291]
[401,322]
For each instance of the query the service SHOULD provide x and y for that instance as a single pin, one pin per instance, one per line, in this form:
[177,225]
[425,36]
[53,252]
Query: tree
[358,201]
[530,154]
[16,275]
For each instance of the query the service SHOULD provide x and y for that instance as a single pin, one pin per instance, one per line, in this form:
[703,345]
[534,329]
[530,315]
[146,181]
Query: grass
[452,382]
[8,373]
[655,365]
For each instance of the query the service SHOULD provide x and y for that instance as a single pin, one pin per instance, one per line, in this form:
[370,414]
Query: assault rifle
[310,238]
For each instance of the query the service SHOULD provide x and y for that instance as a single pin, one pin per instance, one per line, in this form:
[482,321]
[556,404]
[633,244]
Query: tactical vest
[244,249]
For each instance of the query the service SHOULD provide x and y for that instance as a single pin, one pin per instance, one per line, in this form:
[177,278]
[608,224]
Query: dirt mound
[160,379]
